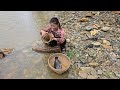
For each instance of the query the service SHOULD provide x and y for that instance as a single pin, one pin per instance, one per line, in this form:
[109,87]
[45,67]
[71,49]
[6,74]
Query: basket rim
[44,40]
[58,69]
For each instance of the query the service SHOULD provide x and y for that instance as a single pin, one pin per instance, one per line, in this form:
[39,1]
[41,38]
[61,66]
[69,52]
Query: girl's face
[54,26]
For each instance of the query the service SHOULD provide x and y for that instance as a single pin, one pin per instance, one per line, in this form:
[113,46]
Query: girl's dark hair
[55,21]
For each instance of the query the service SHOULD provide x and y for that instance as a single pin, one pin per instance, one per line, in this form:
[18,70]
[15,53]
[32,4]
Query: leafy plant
[70,53]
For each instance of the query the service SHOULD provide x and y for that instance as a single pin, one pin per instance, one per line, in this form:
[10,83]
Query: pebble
[88,28]
[118,52]
[106,28]
[91,77]
[83,74]
[93,64]
[99,72]
[68,40]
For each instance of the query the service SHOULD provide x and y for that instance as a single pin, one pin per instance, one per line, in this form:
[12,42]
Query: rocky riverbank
[93,43]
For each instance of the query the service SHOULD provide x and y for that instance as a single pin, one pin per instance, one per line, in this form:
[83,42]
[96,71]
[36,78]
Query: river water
[19,30]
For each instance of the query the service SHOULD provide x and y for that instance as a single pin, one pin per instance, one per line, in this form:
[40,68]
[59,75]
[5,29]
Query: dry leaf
[94,32]
[95,26]
[105,42]
[93,64]
[84,19]
[96,43]
[107,47]
[116,12]
[88,15]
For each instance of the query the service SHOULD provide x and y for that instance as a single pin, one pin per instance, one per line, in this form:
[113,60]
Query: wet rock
[105,29]
[7,50]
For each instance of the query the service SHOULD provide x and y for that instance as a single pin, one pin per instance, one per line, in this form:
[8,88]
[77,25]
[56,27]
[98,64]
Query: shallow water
[19,30]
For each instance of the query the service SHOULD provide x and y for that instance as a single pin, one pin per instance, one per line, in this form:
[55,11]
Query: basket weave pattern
[65,62]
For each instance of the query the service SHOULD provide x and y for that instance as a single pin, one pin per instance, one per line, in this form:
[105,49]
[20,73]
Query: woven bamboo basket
[46,38]
[65,62]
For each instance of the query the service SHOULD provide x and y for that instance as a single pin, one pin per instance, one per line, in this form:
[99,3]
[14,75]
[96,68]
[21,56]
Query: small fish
[57,64]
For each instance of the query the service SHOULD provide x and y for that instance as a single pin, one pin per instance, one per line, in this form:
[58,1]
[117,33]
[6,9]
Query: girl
[56,32]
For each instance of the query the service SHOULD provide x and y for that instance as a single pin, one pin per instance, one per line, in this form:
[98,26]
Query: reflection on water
[18,30]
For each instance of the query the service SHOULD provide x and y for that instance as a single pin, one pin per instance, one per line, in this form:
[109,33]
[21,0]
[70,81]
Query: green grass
[70,53]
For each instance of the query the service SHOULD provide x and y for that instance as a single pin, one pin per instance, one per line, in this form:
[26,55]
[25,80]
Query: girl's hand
[51,35]
[55,39]
[43,33]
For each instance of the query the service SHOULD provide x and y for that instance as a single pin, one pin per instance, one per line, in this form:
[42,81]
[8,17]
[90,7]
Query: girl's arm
[45,30]
[61,39]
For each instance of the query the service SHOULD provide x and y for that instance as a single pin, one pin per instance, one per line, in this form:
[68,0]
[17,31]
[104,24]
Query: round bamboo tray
[46,38]
[65,62]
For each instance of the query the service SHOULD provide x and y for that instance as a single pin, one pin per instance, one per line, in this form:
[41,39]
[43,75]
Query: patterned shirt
[59,34]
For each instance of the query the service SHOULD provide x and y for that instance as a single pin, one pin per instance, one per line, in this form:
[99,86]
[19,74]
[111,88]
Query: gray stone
[91,77]
[99,72]
[88,28]
[83,74]
[106,28]
[93,72]
[118,52]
